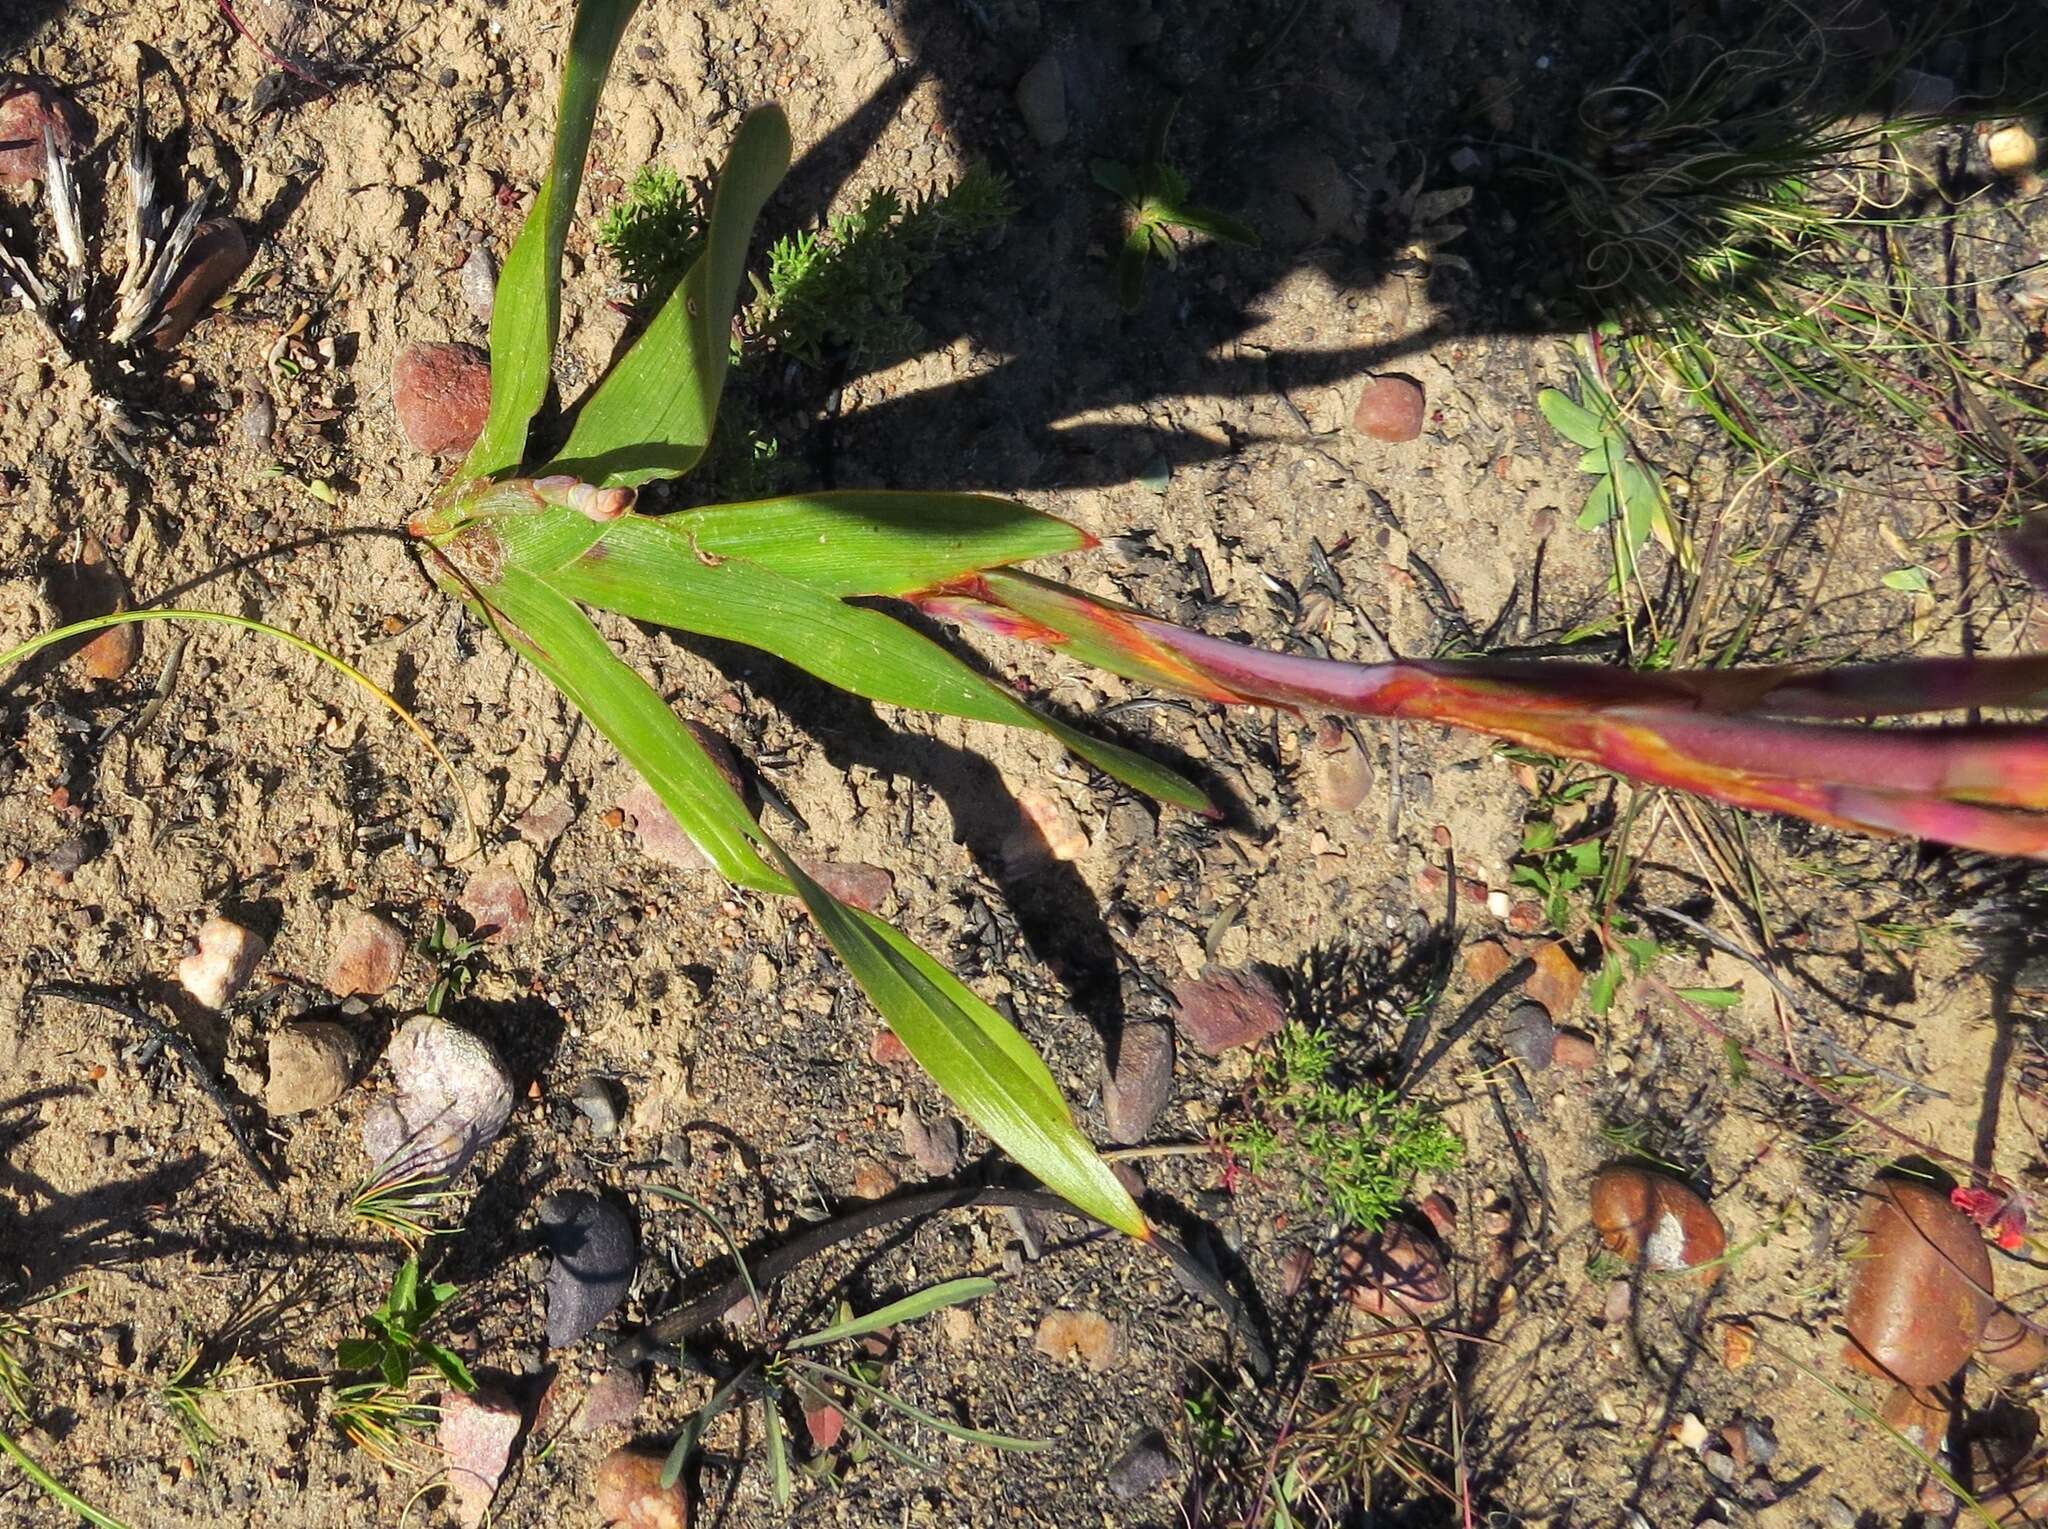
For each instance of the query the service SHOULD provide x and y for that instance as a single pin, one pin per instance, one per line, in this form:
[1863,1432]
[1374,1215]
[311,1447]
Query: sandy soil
[1212,429]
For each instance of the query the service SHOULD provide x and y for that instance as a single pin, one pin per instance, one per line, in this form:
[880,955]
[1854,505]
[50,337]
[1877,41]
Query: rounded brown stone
[442,395]
[218,257]
[1391,408]
[27,104]
[1922,1293]
[1654,1218]
[2012,1345]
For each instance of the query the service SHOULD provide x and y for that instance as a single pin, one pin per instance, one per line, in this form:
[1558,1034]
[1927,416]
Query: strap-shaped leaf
[979,1059]
[948,1030]
[921,1303]
[641,567]
[527,312]
[558,639]
[866,542]
[651,415]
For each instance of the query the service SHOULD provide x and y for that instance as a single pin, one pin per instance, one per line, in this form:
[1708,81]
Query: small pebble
[1142,1469]
[630,1494]
[218,257]
[1137,1089]
[933,1144]
[597,1100]
[451,1098]
[27,103]
[442,395]
[226,958]
[1042,101]
[368,957]
[1651,1216]
[312,1064]
[1391,408]
[479,282]
[497,905]
[595,1248]
[1530,1036]
[1395,1271]
[1223,1010]
[613,1401]
[476,1434]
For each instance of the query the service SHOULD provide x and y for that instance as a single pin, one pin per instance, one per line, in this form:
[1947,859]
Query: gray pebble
[479,283]
[597,1100]
[1143,1468]
[595,1248]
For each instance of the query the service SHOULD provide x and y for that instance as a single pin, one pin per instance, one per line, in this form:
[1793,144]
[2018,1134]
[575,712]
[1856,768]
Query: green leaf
[1642,951]
[1599,460]
[450,1364]
[1606,983]
[527,313]
[392,1366]
[1206,220]
[693,1430]
[1907,581]
[1599,506]
[981,1061]
[1640,500]
[1538,836]
[1738,1064]
[651,416]
[1119,178]
[864,542]
[948,1030]
[404,1298]
[357,1354]
[921,1304]
[646,568]
[862,1430]
[1712,997]
[778,1452]
[1571,419]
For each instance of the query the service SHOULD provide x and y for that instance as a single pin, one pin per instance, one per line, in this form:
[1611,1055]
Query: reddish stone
[477,1432]
[367,958]
[442,396]
[630,1494]
[865,887]
[1575,1050]
[497,905]
[1922,1299]
[1653,1217]
[218,257]
[889,1051]
[1222,1010]
[1393,1271]
[1392,408]
[1141,1083]
[27,102]
[2012,1345]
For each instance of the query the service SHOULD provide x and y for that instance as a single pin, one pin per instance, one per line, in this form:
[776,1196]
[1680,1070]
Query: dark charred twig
[1475,1011]
[816,1239]
[172,1040]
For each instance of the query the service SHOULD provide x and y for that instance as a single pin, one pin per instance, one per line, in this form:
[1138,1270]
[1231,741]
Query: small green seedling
[376,1413]
[1625,498]
[656,231]
[1353,1152]
[453,958]
[405,1205]
[1156,200]
[852,1388]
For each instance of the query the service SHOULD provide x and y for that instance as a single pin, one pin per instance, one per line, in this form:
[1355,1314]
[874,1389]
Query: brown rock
[825,1425]
[497,905]
[367,958]
[1653,1217]
[1738,1344]
[934,1145]
[27,103]
[630,1494]
[1392,408]
[93,586]
[1557,979]
[2012,1345]
[1222,1010]
[312,1064]
[1049,831]
[218,257]
[1396,1271]
[476,1434]
[661,837]
[442,396]
[872,1181]
[1576,1050]
[1920,1301]
[1343,773]
[1088,1336]
[865,887]
[1138,1087]
[1919,1414]
[612,1402]
[889,1051]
